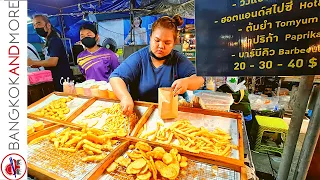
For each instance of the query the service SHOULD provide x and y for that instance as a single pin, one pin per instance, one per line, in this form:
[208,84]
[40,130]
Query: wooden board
[123,148]
[39,168]
[233,162]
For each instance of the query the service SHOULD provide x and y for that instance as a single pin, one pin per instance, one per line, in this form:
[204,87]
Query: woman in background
[139,33]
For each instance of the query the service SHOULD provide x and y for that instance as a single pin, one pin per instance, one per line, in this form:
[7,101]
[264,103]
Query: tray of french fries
[107,115]
[194,133]
[57,106]
[213,134]
[62,152]
[141,161]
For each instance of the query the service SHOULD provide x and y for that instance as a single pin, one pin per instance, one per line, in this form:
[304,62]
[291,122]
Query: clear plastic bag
[215,100]
[261,103]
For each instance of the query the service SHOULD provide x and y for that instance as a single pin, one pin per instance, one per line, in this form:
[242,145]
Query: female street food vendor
[154,66]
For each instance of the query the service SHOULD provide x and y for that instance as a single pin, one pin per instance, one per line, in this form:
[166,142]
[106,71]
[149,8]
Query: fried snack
[93,142]
[184,159]
[166,171]
[194,139]
[131,147]
[116,122]
[38,126]
[167,158]
[89,143]
[179,158]
[88,151]
[94,158]
[141,130]
[30,130]
[112,167]
[57,109]
[123,161]
[95,150]
[144,176]
[67,149]
[134,155]
[138,164]
[183,164]
[154,169]
[143,146]
[72,141]
[143,167]
[131,170]
[121,133]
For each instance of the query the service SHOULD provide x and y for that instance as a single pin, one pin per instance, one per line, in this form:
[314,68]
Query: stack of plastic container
[94,88]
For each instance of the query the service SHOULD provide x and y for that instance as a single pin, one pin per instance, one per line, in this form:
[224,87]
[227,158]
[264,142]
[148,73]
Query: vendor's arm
[126,73]
[51,62]
[122,93]
[187,76]
[55,50]
[192,83]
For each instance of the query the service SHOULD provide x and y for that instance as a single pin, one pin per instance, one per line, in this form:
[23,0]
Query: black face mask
[89,42]
[41,32]
[160,58]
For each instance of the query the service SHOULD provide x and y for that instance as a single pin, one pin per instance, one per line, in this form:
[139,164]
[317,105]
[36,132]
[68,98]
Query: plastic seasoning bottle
[72,88]
[66,87]
[210,84]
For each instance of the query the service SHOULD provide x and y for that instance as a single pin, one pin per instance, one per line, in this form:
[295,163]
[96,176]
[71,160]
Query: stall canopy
[72,13]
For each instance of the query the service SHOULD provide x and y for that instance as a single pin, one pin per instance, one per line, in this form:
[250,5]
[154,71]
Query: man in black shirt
[58,62]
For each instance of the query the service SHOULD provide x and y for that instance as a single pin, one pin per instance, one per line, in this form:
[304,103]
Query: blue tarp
[73,11]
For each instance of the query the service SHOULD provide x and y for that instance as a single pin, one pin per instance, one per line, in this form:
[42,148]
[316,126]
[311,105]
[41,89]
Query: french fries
[193,139]
[116,122]
[92,141]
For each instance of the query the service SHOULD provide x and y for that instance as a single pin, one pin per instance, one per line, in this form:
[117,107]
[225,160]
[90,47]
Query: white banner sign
[13,103]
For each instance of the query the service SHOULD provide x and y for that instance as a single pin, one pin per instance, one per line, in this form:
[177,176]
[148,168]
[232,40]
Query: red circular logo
[13,166]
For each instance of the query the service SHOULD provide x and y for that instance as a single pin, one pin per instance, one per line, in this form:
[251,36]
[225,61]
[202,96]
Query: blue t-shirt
[62,69]
[143,79]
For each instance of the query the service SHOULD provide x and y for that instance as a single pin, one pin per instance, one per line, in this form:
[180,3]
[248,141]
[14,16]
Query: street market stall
[83,151]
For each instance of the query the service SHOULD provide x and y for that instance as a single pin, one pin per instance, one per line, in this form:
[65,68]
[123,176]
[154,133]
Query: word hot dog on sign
[258,37]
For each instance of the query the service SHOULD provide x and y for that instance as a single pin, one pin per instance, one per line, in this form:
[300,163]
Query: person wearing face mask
[95,62]
[57,60]
[155,66]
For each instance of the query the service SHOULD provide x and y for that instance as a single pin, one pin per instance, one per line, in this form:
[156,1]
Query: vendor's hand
[35,66]
[127,106]
[179,86]
[30,62]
